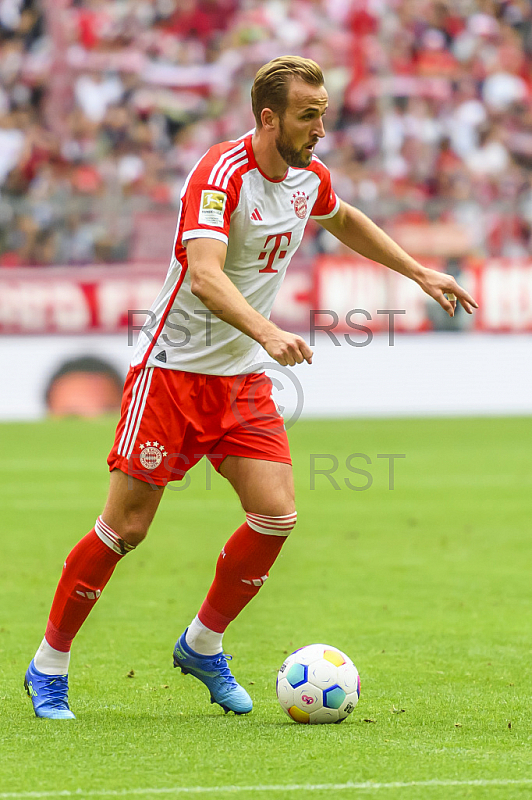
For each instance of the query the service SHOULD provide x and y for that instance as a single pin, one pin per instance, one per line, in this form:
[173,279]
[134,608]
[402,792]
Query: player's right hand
[287,348]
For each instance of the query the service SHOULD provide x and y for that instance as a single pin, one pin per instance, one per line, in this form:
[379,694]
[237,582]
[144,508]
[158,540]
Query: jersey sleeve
[326,204]
[207,208]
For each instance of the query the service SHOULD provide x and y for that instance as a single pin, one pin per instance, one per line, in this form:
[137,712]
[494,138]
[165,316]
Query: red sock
[242,568]
[86,571]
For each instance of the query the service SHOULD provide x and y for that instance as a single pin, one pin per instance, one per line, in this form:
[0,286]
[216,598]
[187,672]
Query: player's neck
[267,156]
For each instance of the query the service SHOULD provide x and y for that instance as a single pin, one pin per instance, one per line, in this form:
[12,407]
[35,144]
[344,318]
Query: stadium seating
[105,108]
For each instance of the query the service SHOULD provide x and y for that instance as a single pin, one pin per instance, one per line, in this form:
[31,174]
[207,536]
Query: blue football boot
[215,674]
[49,694]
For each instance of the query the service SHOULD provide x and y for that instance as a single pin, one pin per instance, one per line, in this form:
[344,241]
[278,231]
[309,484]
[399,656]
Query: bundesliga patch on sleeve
[212,207]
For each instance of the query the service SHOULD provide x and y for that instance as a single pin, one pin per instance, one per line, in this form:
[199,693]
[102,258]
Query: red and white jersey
[227,197]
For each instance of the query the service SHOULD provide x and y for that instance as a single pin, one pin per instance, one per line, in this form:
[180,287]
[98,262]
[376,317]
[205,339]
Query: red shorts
[171,419]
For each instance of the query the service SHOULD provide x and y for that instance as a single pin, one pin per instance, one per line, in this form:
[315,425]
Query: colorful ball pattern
[318,684]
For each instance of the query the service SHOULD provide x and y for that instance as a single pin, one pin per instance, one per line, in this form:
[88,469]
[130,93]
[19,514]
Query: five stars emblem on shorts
[151,454]
[154,444]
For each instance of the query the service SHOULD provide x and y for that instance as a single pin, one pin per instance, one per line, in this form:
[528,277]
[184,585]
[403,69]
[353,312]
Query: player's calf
[86,571]
[243,567]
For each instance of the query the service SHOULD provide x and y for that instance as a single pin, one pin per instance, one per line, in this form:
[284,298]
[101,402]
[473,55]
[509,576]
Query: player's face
[301,126]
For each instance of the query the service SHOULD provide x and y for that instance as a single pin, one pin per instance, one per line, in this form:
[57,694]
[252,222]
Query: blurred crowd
[106,105]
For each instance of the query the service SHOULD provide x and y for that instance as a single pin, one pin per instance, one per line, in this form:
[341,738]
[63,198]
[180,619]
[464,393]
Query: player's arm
[210,284]
[357,231]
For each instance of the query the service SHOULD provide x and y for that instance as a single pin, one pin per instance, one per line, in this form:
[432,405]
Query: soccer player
[196,387]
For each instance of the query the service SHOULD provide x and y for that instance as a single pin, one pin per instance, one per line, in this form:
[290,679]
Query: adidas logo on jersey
[161,356]
[256,215]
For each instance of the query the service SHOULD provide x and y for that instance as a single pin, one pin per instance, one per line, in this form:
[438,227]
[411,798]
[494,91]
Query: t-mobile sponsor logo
[275,251]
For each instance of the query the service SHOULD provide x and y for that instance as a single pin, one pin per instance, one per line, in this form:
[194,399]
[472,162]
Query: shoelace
[57,689]
[221,664]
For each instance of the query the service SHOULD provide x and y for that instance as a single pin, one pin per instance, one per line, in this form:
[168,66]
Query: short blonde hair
[270,87]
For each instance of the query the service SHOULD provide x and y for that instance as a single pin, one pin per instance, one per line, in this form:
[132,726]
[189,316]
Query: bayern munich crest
[299,201]
[151,454]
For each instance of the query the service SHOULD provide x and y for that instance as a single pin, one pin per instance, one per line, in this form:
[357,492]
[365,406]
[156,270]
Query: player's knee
[276,504]
[132,528]
[135,529]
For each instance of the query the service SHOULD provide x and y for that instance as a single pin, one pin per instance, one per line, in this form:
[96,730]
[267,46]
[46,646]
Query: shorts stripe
[145,393]
[130,409]
[133,412]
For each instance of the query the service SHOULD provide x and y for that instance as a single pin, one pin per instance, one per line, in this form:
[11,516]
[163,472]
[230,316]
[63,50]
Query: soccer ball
[318,684]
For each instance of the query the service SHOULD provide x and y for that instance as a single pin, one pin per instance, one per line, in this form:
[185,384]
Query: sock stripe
[287,526]
[276,526]
[111,538]
[280,518]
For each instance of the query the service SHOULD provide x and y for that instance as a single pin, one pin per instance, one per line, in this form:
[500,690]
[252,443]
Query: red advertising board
[502,287]
[96,299]
[344,294]
[354,291]
[76,300]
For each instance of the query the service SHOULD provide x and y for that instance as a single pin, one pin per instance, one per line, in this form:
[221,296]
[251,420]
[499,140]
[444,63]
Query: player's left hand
[446,291]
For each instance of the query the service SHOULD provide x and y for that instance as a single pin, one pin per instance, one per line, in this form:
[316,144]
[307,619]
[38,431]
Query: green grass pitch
[427,587]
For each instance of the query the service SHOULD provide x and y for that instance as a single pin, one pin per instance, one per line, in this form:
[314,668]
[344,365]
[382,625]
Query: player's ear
[268,119]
